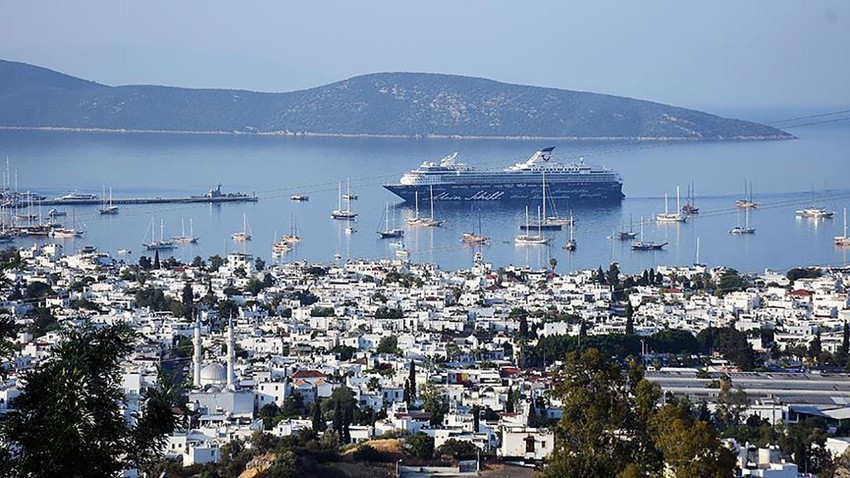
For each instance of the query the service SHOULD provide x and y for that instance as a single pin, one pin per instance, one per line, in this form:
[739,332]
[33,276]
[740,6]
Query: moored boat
[815,213]
[844,240]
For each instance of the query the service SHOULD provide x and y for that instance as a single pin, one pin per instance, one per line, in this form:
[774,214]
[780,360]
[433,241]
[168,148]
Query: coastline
[307,134]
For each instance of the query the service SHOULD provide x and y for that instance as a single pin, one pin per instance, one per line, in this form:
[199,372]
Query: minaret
[231,356]
[196,360]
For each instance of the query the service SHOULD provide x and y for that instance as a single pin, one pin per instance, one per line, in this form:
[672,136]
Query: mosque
[216,394]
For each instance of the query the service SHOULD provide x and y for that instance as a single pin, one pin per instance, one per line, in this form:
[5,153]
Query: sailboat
[108,208]
[67,231]
[746,229]
[292,237]
[349,196]
[843,240]
[414,221]
[554,224]
[690,209]
[183,238]
[425,221]
[245,233]
[697,262]
[667,216]
[343,214]
[472,238]
[747,201]
[389,231]
[642,245]
[280,247]
[528,239]
[162,244]
[627,235]
[571,242]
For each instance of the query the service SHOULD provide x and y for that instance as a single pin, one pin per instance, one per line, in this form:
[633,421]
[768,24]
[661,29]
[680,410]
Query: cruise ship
[454,181]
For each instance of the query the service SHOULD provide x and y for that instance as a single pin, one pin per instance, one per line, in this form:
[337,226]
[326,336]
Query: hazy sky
[719,53]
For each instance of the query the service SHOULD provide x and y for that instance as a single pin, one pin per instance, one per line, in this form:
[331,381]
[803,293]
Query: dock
[214,196]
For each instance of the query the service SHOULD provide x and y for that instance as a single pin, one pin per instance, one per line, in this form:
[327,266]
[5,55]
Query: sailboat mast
[544,194]
[431,189]
[678,207]
[416,205]
[539,230]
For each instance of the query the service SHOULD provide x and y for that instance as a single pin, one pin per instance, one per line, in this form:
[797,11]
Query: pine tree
[523,327]
[412,381]
[406,394]
[156,264]
[338,419]
[533,421]
[318,421]
[68,420]
[348,416]
[509,401]
[188,300]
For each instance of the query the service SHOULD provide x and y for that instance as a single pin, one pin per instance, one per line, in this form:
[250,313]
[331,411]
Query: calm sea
[785,176]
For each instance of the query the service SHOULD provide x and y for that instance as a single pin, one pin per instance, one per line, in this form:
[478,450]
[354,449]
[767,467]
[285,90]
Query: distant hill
[391,104]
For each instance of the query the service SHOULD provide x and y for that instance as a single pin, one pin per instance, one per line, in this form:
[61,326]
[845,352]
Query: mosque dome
[213,374]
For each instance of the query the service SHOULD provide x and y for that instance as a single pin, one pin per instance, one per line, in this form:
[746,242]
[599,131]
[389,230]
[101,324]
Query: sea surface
[785,176]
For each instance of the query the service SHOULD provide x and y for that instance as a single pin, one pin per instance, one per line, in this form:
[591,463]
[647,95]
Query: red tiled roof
[308,374]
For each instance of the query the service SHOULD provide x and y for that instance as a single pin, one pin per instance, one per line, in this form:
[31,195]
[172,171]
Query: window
[529,444]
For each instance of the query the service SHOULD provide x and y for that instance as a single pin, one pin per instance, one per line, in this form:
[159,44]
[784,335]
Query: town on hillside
[228,366]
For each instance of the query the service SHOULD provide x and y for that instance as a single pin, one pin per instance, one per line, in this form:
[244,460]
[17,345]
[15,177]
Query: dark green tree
[805,442]
[411,378]
[815,347]
[420,445]
[458,449]
[523,327]
[406,392]
[595,406]
[433,402]
[188,300]
[68,420]
[318,419]
[156,264]
[388,345]
[690,448]
[533,420]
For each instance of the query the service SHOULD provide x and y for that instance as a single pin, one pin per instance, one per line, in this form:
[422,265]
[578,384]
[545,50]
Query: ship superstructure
[455,181]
